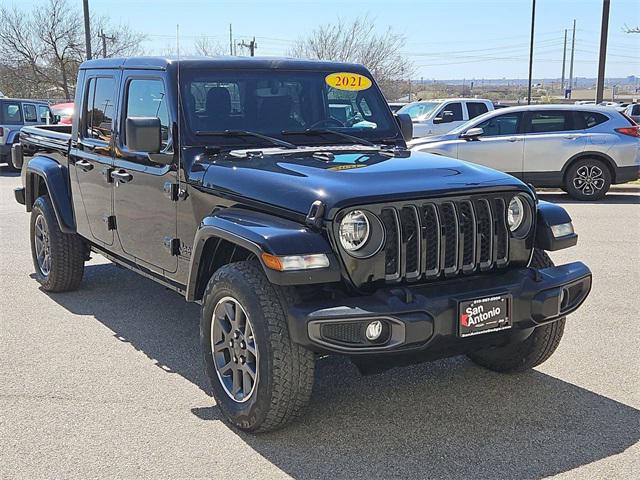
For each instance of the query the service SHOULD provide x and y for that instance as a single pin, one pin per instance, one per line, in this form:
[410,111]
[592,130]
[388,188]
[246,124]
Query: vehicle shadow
[447,419]
[610,199]
[5,172]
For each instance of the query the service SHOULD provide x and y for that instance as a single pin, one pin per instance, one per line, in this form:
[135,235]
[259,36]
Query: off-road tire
[536,349]
[285,369]
[68,251]
[588,165]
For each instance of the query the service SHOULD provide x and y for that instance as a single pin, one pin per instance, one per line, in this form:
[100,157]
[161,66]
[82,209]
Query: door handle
[121,176]
[571,137]
[84,165]
[513,139]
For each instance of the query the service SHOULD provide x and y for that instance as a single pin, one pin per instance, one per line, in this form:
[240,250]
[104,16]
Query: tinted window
[506,124]
[30,114]
[591,119]
[146,98]
[549,121]
[100,108]
[44,114]
[455,108]
[11,113]
[476,109]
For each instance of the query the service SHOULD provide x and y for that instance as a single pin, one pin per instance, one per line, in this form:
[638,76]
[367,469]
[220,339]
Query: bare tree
[628,29]
[42,49]
[359,42]
[206,47]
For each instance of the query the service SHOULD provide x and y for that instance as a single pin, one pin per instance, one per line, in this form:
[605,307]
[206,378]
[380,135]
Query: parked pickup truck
[228,181]
[437,117]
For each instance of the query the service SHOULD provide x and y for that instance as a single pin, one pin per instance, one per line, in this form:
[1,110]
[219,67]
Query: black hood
[293,181]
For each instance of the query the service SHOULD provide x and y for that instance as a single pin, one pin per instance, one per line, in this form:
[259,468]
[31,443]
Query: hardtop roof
[222,62]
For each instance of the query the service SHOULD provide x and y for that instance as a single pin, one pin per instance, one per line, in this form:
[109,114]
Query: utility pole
[252,45]
[573,46]
[104,42]
[604,30]
[533,23]
[230,40]
[87,28]
[564,58]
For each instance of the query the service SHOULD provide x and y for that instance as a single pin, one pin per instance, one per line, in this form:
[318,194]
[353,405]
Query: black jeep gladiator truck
[301,234]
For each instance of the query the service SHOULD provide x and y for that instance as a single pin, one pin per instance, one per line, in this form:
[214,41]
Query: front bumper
[424,318]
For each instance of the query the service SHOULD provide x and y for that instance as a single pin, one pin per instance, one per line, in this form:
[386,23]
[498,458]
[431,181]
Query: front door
[92,155]
[501,146]
[456,115]
[144,210]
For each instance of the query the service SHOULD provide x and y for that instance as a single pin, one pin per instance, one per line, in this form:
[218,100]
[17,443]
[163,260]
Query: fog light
[374,330]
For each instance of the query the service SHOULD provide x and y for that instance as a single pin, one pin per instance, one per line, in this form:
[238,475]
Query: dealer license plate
[484,315]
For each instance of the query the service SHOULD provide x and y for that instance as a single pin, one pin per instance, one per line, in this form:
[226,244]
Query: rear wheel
[58,257]
[536,349]
[261,380]
[588,179]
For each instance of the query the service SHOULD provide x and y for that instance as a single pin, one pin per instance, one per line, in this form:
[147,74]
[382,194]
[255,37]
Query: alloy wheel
[42,245]
[235,353]
[589,180]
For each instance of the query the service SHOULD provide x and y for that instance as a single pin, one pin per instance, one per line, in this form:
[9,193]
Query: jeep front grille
[432,239]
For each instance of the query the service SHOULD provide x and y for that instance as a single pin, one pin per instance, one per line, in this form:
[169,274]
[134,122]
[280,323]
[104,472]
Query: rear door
[551,138]
[475,109]
[91,156]
[145,212]
[500,147]
[30,114]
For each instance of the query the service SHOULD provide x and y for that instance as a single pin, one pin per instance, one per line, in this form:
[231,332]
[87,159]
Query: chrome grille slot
[444,238]
[392,243]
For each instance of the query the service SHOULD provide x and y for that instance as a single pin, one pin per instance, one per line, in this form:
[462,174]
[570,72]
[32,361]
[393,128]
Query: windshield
[270,102]
[419,111]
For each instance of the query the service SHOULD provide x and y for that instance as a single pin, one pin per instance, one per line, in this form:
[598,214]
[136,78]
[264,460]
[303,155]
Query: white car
[435,117]
[582,149]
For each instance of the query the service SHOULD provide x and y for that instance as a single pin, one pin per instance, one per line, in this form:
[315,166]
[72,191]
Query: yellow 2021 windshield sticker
[348,81]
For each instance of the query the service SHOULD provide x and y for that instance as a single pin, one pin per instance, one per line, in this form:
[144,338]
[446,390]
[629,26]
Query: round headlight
[354,230]
[515,213]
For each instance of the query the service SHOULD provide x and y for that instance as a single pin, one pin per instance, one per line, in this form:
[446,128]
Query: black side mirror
[446,117]
[406,125]
[143,134]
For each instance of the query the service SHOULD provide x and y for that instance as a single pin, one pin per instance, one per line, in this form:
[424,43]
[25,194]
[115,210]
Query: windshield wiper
[246,133]
[324,131]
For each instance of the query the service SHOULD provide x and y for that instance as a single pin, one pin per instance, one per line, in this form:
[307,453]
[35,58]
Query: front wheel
[536,349]
[261,380]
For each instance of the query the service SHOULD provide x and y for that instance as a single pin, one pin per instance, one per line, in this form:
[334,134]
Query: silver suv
[582,149]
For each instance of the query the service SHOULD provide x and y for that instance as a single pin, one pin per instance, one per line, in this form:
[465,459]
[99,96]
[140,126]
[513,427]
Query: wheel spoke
[247,383]
[237,379]
[226,367]
[598,183]
[220,346]
[229,312]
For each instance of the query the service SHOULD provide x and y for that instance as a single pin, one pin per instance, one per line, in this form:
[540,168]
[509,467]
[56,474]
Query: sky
[446,39]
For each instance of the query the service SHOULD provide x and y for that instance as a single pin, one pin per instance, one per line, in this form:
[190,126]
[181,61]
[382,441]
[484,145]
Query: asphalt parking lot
[107,382]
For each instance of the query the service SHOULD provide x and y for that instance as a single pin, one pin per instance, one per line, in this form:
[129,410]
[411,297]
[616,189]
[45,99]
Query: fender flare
[55,177]
[263,233]
[12,136]
[551,214]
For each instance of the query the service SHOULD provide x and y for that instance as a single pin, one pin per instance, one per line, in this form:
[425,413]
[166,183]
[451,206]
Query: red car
[63,112]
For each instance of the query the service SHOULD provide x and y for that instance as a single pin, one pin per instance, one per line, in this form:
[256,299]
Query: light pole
[533,22]
[604,30]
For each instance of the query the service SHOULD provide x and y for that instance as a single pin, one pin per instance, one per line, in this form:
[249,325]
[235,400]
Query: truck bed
[45,137]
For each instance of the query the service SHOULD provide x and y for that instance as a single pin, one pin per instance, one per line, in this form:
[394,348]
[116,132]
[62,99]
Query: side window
[476,109]
[100,108]
[591,119]
[506,124]
[546,121]
[44,115]
[11,113]
[456,109]
[146,98]
[30,114]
